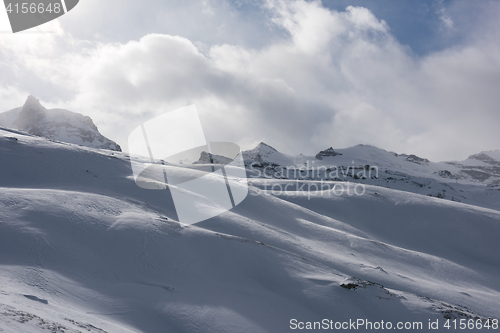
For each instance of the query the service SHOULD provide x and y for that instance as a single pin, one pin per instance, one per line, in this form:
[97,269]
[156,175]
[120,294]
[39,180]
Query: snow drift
[82,248]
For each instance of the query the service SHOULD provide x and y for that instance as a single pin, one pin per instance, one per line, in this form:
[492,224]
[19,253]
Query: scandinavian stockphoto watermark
[309,180]
[170,152]
[463,324]
[296,188]
[26,14]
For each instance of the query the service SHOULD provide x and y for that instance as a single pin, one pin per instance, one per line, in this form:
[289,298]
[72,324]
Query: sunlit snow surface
[82,248]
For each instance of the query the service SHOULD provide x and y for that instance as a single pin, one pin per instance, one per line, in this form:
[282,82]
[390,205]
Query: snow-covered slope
[82,248]
[56,124]
[475,181]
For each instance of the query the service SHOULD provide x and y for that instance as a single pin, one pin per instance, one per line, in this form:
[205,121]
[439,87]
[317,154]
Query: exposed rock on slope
[326,153]
[205,158]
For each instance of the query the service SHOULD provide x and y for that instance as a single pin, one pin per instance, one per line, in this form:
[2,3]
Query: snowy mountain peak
[489,157]
[264,147]
[31,113]
[32,102]
[56,124]
[260,152]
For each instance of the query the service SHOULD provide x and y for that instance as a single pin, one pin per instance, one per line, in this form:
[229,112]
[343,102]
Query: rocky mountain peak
[259,153]
[264,146]
[326,153]
[206,158]
[32,112]
[487,157]
[56,124]
[32,103]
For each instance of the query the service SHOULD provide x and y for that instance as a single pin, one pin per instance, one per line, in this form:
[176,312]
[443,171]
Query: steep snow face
[56,124]
[82,248]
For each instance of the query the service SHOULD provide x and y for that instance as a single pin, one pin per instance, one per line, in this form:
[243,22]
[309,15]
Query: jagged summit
[264,147]
[32,113]
[260,152]
[32,103]
[482,167]
[205,158]
[56,124]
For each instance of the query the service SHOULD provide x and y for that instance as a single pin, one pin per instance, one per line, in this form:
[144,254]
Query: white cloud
[447,21]
[339,78]
[444,16]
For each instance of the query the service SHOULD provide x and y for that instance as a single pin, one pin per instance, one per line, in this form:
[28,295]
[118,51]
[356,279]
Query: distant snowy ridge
[483,167]
[56,124]
[475,181]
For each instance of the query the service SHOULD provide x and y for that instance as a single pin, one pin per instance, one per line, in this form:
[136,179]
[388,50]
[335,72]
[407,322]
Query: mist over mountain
[56,124]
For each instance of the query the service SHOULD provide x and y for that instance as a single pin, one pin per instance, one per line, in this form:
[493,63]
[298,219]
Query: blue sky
[418,77]
[418,24]
[414,23]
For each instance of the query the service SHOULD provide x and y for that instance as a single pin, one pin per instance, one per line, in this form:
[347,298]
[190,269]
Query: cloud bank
[332,78]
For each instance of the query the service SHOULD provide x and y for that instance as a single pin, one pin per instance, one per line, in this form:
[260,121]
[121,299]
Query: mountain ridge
[475,180]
